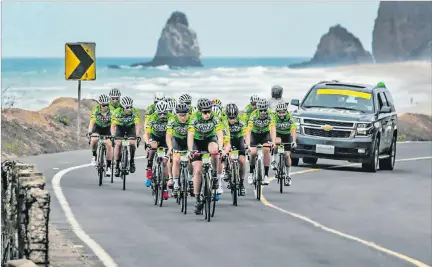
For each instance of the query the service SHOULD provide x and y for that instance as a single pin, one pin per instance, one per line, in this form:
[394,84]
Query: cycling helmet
[216,109]
[171,103]
[204,104]
[159,96]
[126,102]
[114,93]
[185,98]
[103,100]
[231,110]
[281,107]
[262,104]
[162,107]
[254,99]
[217,102]
[276,91]
[182,108]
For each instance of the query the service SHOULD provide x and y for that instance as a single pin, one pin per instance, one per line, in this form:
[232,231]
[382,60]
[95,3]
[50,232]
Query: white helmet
[185,98]
[281,107]
[159,96]
[217,109]
[114,93]
[254,99]
[126,102]
[171,104]
[103,100]
[262,104]
[162,107]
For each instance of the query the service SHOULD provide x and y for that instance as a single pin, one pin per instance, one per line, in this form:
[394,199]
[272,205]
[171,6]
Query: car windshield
[339,99]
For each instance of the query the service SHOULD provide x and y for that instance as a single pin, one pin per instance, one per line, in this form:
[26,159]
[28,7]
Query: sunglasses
[115,98]
[232,118]
[206,111]
[281,112]
[263,110]
[127,108]
[162,114]
[105,105]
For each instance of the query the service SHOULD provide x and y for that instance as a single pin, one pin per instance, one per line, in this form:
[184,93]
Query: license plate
[324,149]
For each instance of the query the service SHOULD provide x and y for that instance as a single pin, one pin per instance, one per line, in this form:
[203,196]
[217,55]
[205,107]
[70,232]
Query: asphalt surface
[389,208]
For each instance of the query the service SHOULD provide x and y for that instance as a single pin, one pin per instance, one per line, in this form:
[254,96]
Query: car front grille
[329,134]
[332,123]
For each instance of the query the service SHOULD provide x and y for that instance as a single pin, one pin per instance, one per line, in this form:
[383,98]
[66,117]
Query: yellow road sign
[80,63]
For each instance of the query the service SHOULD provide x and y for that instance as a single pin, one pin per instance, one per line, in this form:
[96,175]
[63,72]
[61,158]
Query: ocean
[36,82]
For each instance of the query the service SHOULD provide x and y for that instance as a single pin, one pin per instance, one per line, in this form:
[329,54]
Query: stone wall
[25,214]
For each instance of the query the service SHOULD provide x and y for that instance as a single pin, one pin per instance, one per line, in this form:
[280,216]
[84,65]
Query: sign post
[80,65]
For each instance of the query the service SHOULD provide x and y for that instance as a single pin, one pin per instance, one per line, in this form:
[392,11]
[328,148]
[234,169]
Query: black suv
[346,121]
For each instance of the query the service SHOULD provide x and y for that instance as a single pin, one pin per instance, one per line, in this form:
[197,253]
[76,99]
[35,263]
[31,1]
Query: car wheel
[312,161]
[294,161]
[372,165]
[388,163]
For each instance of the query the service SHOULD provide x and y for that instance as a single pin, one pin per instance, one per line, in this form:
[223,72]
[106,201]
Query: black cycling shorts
[285,138]
[179,144]
[259,138]
[122,130]
[202,145]
[101,130]
[238,144]
[161,140]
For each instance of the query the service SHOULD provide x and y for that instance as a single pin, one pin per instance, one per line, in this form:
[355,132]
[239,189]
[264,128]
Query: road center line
[336,232]
[76,227]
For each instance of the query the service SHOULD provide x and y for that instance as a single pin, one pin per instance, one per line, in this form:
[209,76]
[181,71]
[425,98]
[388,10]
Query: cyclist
[158,96]
[261,130]
[114,95]
[217,102]
[285,130]
[276,97]
[237,129]
[187,99]
[125,121]
[100,124]
[171,105]
[155,136]
[204,134]
[176,139]
[216,108]
[250,107]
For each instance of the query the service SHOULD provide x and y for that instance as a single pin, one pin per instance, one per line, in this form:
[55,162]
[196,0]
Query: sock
[94,153]
[251,168]
[289,170]
[132,151]
[109,163]
[117,163]
[266,169]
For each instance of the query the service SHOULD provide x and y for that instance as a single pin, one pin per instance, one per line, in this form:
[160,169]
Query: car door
[393,115]
[386,123]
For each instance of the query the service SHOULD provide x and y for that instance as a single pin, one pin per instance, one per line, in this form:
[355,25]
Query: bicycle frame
[159,184]
[281,174]
[259,170]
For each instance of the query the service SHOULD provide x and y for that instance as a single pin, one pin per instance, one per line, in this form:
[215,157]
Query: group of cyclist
[210,126]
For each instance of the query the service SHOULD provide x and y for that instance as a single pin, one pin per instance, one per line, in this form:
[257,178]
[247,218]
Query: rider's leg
[242,166]
[267,152]
[197,165]
[213,147]
[253,151]
[176,170]
[152,151]
[93,142]
[274,153]
[118,134]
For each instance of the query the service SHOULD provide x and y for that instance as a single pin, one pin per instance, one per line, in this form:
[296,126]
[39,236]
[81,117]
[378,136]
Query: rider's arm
[92,119]
[148,128]
[219,132]
[191,132]
[137,121]
[248,130]
[293,129]
[272,126]
[114,121]
[169,134]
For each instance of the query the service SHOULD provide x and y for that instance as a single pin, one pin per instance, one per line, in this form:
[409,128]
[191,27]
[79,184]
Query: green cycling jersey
[157,125]
[261,124]
[149,111]
[286,125]
[120,117]
[113,107]
[177,128]
[202,128]
[99,119]
[238,128]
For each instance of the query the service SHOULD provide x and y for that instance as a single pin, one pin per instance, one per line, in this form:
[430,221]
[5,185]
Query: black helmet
[204,104]
[276,91]
[231,110]
[182,108]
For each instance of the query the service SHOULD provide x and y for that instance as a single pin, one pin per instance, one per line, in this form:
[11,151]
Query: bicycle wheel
[125,166]
[112,166]
[184,189]
[281,171]
[101,159]
[258,169]
[207,196]
[234,185]
[162,183]
[155,188]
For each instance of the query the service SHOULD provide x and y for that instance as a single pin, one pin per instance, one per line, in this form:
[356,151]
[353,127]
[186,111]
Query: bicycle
[124,154]
[101,155]
[258,173]
[232,168]
[207,195]
[159,184]
[183,181]
[281,173]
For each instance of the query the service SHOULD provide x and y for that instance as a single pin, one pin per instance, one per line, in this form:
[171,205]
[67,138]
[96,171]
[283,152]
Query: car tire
[295,161]
[311,161]
[388,163]
[372,165]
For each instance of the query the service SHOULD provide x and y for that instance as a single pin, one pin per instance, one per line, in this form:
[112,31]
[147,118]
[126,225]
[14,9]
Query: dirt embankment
[53,129]
[49,130]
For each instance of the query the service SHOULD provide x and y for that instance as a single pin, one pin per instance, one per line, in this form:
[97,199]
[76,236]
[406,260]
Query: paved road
[391,209]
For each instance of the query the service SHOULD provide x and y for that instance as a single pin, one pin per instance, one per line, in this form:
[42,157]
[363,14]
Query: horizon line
[143,57]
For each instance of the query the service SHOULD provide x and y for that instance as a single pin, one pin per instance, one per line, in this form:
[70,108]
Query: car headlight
[298,123]
[364,129]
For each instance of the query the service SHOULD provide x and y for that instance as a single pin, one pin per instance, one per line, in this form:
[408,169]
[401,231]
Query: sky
[224,29]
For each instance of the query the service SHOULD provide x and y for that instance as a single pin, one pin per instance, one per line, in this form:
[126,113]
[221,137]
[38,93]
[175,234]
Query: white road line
[76,228]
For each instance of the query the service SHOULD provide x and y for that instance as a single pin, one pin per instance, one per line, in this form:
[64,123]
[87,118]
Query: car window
[381,100]
[390,100]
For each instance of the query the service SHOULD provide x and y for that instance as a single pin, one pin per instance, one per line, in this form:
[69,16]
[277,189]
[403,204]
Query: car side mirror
[295,102]
[385,109]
